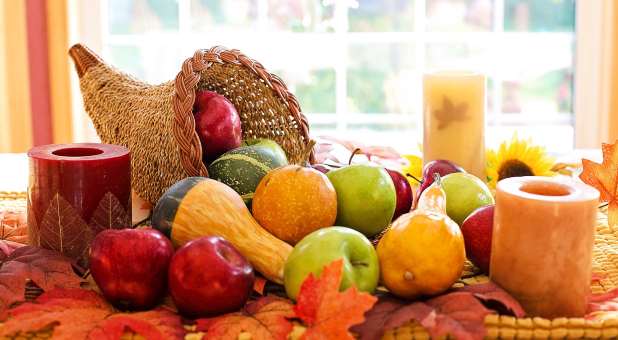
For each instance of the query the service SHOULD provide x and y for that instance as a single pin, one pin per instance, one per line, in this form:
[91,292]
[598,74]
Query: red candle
[76,191]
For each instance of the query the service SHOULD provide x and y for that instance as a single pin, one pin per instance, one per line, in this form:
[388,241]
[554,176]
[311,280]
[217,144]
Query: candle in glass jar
[454,119]
[542,242]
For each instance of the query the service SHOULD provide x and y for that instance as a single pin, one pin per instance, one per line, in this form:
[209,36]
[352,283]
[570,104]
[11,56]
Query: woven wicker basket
[156,122]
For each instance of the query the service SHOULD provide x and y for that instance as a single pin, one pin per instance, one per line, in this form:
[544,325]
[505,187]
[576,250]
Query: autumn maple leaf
[328,313]
[84,314]
[604,177]
[460,313]
[48,269]
[265,318]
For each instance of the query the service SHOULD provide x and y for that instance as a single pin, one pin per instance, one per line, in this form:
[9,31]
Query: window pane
[549,92]
[540,15]
[300,16]
[141,16]
[382,16]
[128,59]
[214,15]
[152,63]
[459,15]
[537,83]
[314,89]
[381,78]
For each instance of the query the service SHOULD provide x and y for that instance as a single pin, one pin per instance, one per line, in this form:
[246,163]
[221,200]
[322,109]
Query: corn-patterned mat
[605,262]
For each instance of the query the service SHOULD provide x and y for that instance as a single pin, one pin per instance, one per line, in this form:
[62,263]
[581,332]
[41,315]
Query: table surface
[14,167]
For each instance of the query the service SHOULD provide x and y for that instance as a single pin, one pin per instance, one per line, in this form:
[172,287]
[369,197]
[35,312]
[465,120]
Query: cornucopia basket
[156,122]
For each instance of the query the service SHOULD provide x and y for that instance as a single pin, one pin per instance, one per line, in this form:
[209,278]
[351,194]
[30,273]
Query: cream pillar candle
[542,243]
[454,119]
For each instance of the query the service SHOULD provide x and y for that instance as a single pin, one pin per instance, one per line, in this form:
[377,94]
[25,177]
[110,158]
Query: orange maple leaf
[265,318]
[327,312]
[84,314]
[604,177]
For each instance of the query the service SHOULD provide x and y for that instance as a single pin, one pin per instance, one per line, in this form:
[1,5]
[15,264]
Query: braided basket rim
[185,86]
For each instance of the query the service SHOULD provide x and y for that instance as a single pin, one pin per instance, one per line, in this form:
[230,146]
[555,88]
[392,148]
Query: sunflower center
[514,168]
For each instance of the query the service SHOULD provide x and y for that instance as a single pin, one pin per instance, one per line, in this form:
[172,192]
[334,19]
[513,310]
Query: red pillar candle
[76,191]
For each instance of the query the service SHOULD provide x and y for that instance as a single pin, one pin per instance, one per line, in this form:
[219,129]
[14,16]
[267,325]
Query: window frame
[593,20]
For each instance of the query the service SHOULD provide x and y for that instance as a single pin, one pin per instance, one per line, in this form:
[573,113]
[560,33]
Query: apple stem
[414,178]
[354,153]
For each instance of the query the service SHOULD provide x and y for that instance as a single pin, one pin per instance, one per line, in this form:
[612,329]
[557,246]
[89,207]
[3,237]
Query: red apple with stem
[208,276]
[130,266]
[217,124]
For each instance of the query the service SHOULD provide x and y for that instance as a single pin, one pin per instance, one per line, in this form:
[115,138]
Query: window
[356,65]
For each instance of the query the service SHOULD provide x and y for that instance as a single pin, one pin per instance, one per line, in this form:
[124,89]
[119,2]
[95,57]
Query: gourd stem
[437,179]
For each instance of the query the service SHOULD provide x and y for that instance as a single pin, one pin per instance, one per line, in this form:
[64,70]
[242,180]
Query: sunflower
[515,158]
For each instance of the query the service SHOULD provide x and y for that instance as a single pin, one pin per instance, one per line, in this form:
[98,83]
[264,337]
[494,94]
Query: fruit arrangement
[247,236]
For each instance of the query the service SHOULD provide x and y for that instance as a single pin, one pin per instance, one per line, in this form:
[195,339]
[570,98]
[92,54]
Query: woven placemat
[605,264]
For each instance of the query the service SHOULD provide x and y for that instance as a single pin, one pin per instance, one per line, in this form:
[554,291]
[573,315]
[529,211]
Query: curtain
[613,111]
[35,97]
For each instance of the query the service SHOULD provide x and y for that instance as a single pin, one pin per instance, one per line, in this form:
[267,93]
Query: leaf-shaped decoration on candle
[450,113]
[34,236]
[604,177]
[63,229]
[109,214]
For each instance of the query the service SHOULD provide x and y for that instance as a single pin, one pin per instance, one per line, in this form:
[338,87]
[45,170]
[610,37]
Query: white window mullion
[420,48]
[341,56]
[496,116]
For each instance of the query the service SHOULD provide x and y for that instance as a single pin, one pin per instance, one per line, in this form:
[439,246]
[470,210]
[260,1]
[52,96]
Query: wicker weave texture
[156,122]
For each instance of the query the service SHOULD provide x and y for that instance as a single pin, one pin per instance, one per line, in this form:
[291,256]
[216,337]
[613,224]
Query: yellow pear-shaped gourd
[423,252]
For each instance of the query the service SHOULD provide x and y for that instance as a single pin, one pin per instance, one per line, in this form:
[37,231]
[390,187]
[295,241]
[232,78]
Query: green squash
[242,169]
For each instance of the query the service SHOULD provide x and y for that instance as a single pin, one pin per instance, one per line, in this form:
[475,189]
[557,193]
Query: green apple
[366,197]
[323,246]
[464,194]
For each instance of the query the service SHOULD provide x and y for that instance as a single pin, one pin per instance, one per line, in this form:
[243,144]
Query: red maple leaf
[460,313]
[7,247]
[265,318]
[61,308]
[259,284]
[325,311]
[48,269]
[604,177]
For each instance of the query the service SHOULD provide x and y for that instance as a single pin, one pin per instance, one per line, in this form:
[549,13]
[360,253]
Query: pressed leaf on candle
[450,113]
[604,177]
[109,214]
[34,236]
[62,229]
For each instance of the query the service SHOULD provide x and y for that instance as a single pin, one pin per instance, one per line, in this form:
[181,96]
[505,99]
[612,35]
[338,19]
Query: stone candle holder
[542,243]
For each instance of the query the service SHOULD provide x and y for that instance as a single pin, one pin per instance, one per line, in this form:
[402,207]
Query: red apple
[130,266]
[439,166]
[209,276]
[217,123]
[403,190]
[477,230]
